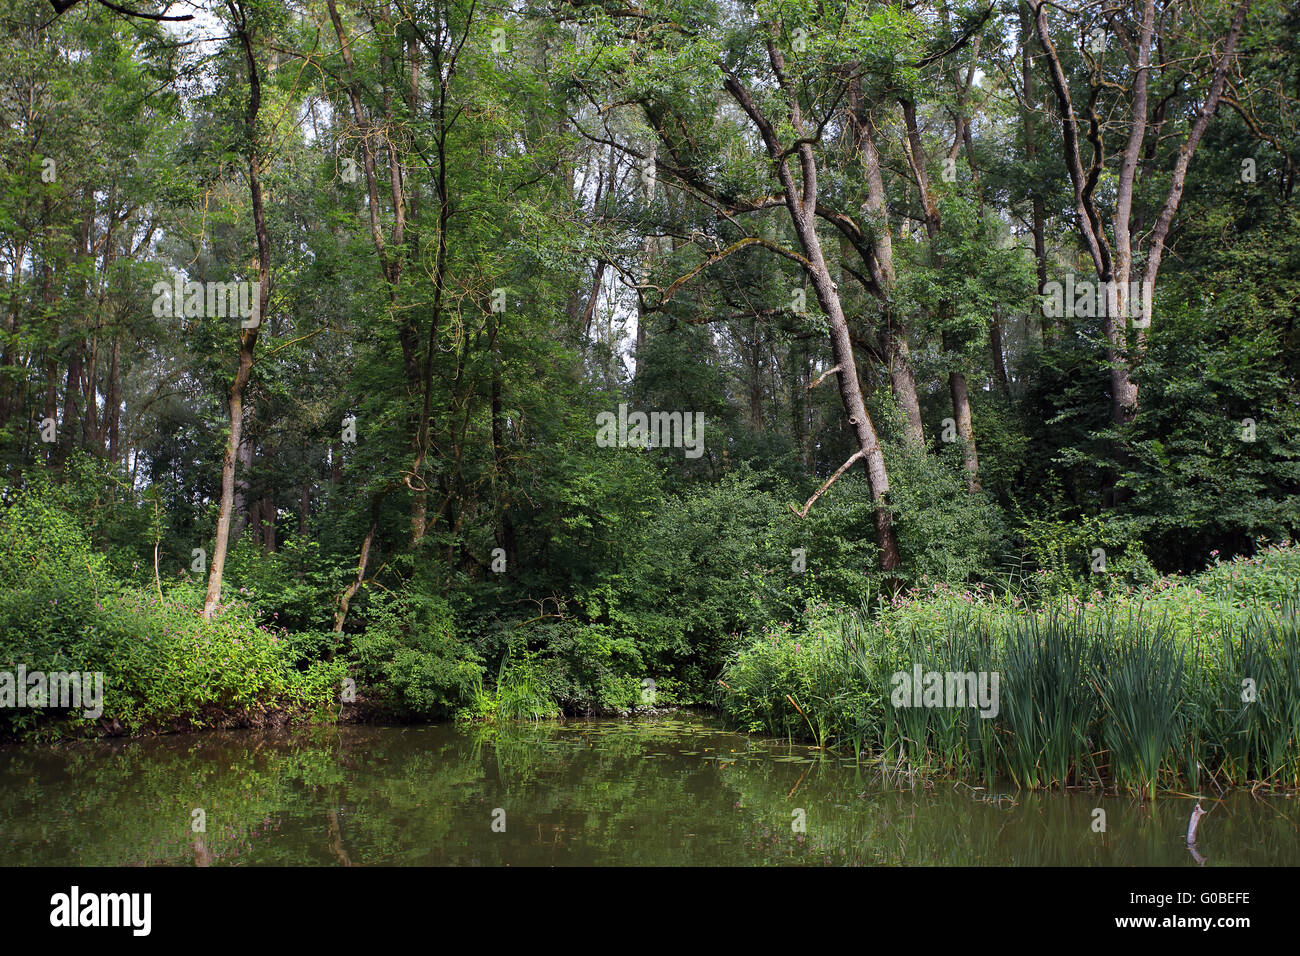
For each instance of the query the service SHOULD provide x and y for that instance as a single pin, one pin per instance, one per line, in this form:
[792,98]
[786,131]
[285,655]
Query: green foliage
[944,532]
[1079,558]
[521,693]
[165,667]
[1050,706]
[410,656]
[1270,577]
[796,685]
[1216,447]
[294,587]
[1138,688]
[523,272]
[1139,680]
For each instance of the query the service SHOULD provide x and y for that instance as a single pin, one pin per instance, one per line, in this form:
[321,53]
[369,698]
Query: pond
[675,790]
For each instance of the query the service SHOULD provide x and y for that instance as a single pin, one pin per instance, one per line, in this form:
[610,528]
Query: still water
[662,791]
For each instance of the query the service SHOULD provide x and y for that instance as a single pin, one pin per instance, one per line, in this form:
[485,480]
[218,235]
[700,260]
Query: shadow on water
[670,791]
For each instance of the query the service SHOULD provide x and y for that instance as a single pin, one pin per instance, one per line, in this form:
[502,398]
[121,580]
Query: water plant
[1139,680]
[1163,687]
[1049,706]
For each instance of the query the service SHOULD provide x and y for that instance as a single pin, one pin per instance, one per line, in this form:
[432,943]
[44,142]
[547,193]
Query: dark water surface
[658,791]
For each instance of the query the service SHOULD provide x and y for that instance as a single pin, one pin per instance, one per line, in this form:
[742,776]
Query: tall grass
[1048,705]
[1124,694]
[1262,672]
[520,694]
[1138,676]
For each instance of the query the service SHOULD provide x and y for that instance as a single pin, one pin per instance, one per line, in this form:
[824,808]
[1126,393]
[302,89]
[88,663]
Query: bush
[411,658]
[1136,686]
[63,609]
[294,587]
[1271,576]
[944,531]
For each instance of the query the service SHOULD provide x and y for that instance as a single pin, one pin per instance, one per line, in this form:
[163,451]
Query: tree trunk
[802,205]
[506,535]
[71,425]
[1038,212]
[113,401]
[244,509]
[956,378]
[961,414]
[345,601]
[797,358]
[268,521]
[901,377]
[247,337]
[1000,376]
[90,400]
[1116,264]
[391,260]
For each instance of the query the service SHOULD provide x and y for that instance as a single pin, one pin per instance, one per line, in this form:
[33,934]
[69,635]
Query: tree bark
[801,202]
[113,401]
[247,337]
[901,377]
[957,391]
[999,358]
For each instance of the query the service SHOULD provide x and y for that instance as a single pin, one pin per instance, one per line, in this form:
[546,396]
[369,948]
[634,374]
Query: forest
[420,360]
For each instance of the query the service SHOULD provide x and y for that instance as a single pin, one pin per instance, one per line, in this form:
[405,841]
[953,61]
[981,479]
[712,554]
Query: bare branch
[823,376]
[803,512]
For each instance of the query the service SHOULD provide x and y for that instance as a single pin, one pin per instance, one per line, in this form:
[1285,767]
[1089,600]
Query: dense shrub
[294,587]
[409,654]
[62,608]
[1187,676]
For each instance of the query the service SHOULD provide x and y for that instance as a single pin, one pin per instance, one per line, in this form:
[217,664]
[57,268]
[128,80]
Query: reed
[1113,694]
[1139,681]
[1049,705]
[1262,664]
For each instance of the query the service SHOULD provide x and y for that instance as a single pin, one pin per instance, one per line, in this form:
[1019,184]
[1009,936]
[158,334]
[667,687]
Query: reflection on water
[673,791]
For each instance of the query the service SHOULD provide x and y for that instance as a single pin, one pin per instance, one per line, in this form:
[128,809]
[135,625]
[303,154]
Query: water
[670,791]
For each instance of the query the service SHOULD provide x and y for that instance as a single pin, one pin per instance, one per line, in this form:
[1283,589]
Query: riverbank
[1179,683]
[1190,683]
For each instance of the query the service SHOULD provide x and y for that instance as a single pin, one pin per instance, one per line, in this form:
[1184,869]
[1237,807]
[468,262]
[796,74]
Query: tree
[243,19]
[1116,256]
